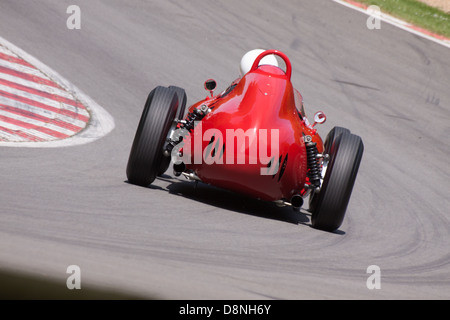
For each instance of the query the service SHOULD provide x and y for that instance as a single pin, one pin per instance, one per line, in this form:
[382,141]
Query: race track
[72,205]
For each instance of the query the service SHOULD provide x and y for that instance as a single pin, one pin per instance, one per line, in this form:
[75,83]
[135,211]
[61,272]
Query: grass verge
[416,13]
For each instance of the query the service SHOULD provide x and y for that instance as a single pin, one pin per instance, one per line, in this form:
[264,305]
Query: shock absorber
[195,115]
[188,124]
[313,174]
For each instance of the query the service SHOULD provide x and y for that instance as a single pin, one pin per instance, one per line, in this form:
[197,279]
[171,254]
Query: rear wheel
[329,141]
[333,135]
[330,204]
[146,152]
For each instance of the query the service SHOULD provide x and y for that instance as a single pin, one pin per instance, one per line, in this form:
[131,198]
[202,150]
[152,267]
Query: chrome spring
[313,166]
[193,116]
[187,124]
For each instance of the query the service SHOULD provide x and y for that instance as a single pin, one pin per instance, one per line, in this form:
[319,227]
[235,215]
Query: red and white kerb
[32,106]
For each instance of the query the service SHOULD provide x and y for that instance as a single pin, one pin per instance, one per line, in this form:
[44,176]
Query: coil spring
[191,118]
[189,125]
[313,174]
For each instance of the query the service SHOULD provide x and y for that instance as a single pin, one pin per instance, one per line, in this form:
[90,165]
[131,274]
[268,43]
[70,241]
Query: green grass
[417,13]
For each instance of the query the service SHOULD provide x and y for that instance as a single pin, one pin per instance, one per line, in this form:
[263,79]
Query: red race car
[253,138]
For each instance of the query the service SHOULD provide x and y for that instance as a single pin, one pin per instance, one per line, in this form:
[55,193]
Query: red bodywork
[262,99]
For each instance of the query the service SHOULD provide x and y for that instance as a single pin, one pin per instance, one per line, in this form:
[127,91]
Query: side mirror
[210,85]
[319,118]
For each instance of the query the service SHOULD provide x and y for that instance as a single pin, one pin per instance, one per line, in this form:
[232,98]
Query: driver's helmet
[250,57]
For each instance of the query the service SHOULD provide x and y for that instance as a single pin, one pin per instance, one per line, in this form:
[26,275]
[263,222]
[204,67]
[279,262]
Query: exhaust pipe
[297,201]
[179,168]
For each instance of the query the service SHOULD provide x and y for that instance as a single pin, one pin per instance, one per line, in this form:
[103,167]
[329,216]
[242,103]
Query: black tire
[181,98]
[146,152]
[345,151]
[329,141]
[333,135]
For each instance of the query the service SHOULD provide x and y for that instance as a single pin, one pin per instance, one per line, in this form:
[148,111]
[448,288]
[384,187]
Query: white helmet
[250,57]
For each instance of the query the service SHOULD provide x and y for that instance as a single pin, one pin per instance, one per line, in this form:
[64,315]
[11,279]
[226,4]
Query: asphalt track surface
[72,205]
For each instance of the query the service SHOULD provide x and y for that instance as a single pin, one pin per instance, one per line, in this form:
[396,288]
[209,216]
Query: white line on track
[398,23]
[6,51]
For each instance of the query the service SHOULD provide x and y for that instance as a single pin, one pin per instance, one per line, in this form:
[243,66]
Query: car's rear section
[252,139]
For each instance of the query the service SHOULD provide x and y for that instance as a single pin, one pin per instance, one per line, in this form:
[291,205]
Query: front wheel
[146,152]
[330,204]
[181,97]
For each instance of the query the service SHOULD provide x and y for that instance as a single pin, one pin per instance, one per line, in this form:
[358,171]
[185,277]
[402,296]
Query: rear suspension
[312,155]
